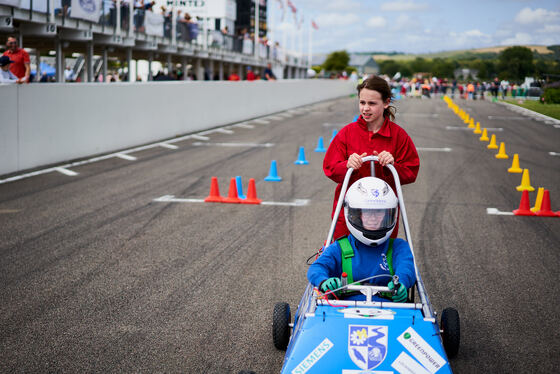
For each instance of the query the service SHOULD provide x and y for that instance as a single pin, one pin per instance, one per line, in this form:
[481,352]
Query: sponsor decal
[375,192]
[421,350]
[367,345]
[373,313]
[347,371]
[404,364]
[313,357]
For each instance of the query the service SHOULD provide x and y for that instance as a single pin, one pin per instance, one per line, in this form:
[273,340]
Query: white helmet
[370,210]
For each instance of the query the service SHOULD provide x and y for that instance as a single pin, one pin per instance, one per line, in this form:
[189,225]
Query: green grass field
[551,110]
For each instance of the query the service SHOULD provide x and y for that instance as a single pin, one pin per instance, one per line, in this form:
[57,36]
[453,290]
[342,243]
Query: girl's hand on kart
[401,295]
[385,158]
[355,161]
[330,284]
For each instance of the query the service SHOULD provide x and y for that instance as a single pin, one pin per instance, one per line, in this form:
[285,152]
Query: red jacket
[355,138]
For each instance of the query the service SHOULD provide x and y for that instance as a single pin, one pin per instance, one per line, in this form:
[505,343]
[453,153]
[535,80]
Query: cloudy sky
[418,26]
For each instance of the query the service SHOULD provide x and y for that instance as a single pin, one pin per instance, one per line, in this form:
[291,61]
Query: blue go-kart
[348,336]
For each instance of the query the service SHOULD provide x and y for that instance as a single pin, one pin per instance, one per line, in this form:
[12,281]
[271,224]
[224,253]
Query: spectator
[65,5]
[20,60]
[233,77]
[250,75]
[68,74]
[44,78]
[6,76]
[139,15]
[268,74]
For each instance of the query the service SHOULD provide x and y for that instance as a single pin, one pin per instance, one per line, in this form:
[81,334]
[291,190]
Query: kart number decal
[404,364]
[421,350]
[313,357]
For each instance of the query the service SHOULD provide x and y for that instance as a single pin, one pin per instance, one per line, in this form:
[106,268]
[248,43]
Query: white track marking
[261,121]
[168,146]
[173,199]
[244,125]
[496,212]
[199,137]
[506,117]
[66,171]
[434,149]
[124,156]
[461,128]
[554,153]
[265,145]
[274,118]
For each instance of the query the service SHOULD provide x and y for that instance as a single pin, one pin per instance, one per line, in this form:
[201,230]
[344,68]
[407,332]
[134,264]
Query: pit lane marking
[265,145]
[173,199]
[124,156]
[65,171]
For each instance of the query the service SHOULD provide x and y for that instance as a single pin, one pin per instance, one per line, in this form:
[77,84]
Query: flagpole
[256,28]
[309,46]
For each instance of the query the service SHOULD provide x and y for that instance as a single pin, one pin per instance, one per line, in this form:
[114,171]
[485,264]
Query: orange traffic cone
[251,194]
[545,209]
[502,152]
[477,129]
[524,206]
[515,165]
[232,194]
[525,182]
[484,137]
[214,196]
[492,144]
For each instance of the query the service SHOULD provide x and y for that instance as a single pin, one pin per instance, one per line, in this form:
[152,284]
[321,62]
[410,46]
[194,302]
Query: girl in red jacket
[373,133]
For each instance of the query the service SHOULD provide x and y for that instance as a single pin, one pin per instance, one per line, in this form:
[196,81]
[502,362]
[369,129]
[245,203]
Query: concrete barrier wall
[52,123]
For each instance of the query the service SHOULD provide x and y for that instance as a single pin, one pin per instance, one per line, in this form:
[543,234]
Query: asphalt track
[96,276]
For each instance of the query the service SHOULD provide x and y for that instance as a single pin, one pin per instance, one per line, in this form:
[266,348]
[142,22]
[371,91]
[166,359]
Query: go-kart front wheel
[451,331]
[281,325]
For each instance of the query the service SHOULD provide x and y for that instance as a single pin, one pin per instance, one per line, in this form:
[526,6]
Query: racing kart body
[349,336]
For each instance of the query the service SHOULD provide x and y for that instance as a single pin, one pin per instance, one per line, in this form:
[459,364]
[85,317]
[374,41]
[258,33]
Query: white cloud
[550,29]
[376,22]
[367,44]
[341,5]
[519,38]
[403,22]
[474,33]
[403,6]
[528,16]
[337,19]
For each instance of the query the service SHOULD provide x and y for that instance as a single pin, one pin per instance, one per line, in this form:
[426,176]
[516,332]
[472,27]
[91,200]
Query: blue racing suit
[367,261]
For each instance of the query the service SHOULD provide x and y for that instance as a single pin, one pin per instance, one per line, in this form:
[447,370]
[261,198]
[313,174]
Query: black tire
[451,335]
[280,325]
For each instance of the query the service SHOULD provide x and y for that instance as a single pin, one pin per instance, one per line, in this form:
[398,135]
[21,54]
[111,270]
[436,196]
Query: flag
[314,25]
[291,6]
[86,9]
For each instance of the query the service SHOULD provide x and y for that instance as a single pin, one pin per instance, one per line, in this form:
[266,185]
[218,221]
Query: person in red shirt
[233,77]
[250,74]
[373,133]
[21,65]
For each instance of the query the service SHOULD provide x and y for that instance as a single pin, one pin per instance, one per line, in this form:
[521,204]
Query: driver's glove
[330,284]
[401,295]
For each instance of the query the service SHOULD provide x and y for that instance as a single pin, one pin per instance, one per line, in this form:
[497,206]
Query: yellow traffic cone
[471,123]
[492,144]
[538,201]
[525,182]
[477,129]
[502,152]
[515,165]
[467,117]
[484,137]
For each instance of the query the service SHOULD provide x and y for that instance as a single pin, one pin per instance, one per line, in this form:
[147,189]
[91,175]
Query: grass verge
[551,110]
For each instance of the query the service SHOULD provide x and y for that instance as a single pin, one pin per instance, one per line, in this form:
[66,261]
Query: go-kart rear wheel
[281,325]
[451,335]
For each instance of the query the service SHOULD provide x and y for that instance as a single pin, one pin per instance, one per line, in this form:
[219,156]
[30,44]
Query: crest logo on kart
[367,345]
[375,192]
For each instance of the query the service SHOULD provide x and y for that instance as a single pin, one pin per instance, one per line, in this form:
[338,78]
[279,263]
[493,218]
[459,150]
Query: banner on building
[14,3]
[89,10]
[153,23]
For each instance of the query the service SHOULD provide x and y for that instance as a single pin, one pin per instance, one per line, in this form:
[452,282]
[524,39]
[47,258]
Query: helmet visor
[373,223]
